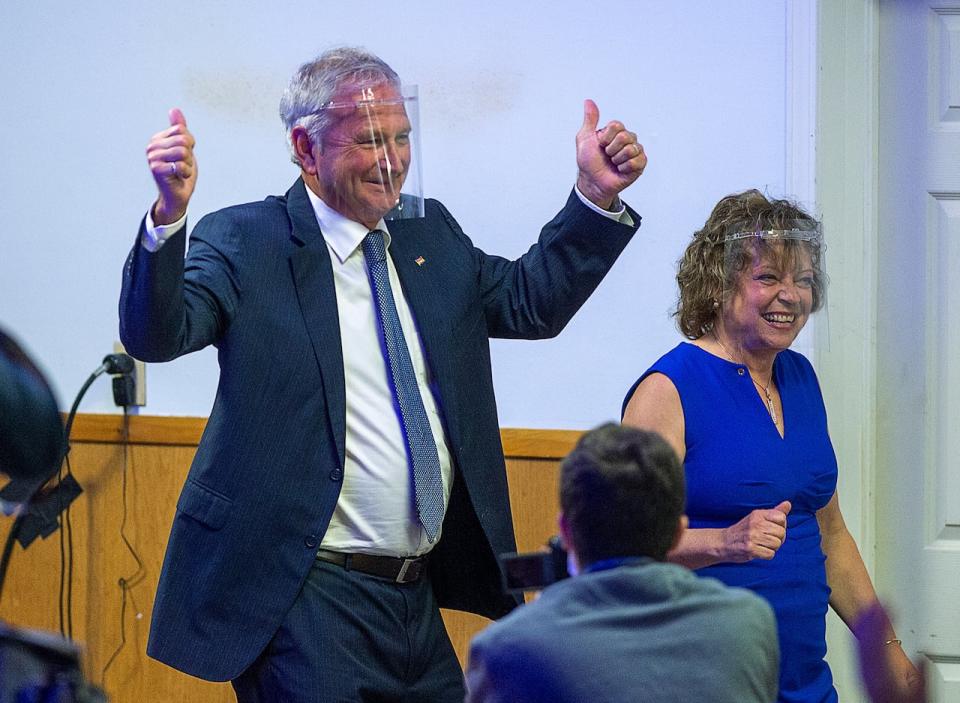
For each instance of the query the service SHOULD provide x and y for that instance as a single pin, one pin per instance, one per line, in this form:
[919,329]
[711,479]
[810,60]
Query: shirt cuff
[618,214]
[154,236]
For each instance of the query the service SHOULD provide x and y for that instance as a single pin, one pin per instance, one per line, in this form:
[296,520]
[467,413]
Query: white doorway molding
[846,349]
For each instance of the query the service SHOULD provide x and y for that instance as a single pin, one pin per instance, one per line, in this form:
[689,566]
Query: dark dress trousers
[257,283]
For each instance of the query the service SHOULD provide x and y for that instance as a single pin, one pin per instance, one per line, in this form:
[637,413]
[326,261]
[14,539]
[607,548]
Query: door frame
[846,338]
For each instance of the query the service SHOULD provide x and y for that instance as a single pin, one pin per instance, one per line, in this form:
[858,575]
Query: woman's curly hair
[708,269]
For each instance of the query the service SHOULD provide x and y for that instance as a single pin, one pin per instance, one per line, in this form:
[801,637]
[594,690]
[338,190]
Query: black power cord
[114,364]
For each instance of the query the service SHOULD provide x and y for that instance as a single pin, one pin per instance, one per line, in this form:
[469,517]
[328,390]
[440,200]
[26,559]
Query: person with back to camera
[350,480]
[627,626]
[746,416]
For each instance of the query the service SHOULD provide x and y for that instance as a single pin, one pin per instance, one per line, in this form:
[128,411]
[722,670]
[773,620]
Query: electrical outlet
[139,376]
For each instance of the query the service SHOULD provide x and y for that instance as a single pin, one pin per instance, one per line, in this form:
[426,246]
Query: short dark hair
[622,492]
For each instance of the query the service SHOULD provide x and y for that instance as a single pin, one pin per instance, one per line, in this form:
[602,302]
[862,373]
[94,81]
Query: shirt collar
[342,234]
[605,564]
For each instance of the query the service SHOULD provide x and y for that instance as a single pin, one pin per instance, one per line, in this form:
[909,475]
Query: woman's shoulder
[671,365]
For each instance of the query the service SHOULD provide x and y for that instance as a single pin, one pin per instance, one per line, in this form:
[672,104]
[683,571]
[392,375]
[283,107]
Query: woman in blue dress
[746,416]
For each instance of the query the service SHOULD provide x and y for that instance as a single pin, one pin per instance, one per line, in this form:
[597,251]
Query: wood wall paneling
[154,464]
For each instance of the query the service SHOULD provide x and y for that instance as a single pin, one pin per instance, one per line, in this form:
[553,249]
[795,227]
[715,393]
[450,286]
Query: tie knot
[373,247]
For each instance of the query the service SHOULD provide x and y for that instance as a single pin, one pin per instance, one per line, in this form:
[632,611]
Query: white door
[918,331]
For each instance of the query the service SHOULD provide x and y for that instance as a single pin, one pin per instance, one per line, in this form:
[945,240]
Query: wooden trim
[186,431]
[143,429]
[538,444]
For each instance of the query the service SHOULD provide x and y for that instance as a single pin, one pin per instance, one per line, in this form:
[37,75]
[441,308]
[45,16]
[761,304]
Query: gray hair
[316,83]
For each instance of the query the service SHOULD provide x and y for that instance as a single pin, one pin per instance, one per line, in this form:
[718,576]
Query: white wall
[501,86]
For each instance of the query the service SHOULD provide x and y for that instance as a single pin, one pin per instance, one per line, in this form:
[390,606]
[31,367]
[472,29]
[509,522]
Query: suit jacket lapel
[416,262]
[313,279]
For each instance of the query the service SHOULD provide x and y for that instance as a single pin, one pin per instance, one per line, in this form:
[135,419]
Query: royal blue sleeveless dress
[736,462]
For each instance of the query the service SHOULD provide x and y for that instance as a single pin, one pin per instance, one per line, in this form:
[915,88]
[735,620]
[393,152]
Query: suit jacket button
[311,541]
[336,475]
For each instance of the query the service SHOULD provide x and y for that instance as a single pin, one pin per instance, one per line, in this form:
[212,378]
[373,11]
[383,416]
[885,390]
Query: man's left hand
[609,159]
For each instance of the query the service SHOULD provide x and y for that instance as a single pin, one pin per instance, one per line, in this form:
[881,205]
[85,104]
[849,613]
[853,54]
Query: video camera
[534,571]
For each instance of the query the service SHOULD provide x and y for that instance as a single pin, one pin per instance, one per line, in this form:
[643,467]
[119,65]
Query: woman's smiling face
[772,299]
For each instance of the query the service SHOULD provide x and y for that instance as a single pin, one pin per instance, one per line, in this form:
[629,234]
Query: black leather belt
[397,569]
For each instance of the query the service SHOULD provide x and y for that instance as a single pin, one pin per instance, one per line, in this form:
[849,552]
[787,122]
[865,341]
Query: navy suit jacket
[258,284]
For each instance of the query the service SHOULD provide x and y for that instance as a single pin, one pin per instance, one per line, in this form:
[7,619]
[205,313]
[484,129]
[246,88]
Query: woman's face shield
[370,158]
[781,270]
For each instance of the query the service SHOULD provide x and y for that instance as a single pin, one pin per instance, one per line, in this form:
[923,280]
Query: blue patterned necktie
[428,484]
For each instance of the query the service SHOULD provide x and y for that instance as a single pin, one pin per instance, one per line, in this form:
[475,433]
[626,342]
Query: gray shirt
[648,632]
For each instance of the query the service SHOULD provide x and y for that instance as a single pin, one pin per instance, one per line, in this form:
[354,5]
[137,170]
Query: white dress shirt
[376,512]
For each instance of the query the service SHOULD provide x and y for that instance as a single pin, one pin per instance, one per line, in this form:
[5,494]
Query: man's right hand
[757,536]
[170,157]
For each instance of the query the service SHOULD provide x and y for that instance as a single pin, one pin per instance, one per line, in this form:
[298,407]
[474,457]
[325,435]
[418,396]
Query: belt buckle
[410,566]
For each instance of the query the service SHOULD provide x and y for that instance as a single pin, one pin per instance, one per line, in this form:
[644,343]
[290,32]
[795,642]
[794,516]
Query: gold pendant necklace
[765,389]
[766,394]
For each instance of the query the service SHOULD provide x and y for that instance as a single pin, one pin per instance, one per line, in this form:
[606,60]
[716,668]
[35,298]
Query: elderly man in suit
[350,480]
[627,626]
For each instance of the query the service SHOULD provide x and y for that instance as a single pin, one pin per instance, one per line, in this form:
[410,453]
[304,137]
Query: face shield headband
[809,233]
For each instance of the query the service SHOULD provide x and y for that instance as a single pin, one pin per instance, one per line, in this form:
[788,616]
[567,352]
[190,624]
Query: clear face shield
[378,174]
[778,275]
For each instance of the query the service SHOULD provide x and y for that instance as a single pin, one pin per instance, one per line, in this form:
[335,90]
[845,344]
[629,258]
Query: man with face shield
[746,417]
[350,480]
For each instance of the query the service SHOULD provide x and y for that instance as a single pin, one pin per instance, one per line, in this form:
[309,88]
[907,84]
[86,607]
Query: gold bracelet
[896,642]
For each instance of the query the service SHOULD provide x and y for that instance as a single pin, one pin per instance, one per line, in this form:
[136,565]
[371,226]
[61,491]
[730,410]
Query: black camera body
[534,571]
[42,667]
